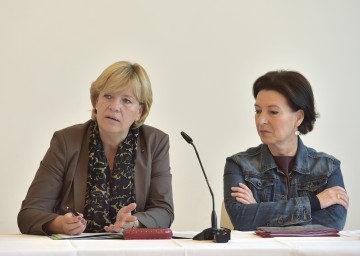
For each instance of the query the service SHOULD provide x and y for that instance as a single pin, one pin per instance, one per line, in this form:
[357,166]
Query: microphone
[213,214]
[213,233]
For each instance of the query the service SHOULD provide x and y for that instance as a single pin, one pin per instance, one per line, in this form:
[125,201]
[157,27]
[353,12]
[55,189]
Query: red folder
[297,231]
[148,233]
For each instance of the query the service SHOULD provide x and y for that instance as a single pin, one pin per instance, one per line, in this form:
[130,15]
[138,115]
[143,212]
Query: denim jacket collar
[301,162]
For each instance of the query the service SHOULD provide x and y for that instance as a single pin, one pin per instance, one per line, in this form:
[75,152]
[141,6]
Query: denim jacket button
[280,220]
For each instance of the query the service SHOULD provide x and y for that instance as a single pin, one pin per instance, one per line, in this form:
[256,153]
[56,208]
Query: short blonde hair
[118,76]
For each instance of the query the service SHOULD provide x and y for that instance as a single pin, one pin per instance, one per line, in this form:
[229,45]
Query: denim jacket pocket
[263,187]
[312,185]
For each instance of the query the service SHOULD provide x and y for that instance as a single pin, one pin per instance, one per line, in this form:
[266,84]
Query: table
[241,243]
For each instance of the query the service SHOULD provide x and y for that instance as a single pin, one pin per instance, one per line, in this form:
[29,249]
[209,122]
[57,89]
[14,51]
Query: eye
[273,112]
[257,111]
[127,101]
[107,96]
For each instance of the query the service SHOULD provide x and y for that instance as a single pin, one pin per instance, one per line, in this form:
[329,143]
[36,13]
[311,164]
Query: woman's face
[117,111]
[276,122]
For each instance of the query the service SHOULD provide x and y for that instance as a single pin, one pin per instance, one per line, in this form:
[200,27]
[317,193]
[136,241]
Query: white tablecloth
[241,243]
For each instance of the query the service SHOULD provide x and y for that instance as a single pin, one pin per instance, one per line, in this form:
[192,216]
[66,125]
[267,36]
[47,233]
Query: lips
[113,118]
[263,132]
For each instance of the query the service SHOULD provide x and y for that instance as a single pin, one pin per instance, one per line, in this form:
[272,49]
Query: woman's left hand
[333,195]
[124,220]
[243,194]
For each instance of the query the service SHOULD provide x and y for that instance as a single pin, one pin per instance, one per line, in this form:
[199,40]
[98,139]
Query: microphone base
[218,235]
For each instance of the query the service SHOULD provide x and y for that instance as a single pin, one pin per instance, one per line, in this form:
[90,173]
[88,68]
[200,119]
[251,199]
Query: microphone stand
[213,233]
[213,213]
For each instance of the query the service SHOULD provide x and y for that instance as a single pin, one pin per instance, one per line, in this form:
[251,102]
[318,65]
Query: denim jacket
[312,173]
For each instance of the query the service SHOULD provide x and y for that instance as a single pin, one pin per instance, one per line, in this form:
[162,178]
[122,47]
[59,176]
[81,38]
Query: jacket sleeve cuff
[314,203]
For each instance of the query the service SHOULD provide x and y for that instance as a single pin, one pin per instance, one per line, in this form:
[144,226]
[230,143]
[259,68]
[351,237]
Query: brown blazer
[62,176]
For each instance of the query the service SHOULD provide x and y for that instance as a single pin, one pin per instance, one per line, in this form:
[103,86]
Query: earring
[297,133]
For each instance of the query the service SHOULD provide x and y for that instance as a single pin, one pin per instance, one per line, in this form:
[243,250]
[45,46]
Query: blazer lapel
[80,179]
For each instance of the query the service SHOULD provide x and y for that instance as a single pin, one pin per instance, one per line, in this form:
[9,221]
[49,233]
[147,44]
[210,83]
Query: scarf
[109,190]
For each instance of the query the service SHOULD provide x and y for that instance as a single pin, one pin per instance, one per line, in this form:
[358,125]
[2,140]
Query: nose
[115,106]
[262,119]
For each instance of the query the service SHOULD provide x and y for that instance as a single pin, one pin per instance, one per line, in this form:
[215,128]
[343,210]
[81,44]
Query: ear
[96,102]
[140,111]
[299,117]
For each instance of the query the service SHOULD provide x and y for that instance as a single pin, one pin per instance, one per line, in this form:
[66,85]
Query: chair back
[225,221]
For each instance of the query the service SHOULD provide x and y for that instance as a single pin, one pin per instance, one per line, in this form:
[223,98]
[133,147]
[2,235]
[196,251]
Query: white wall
[202,57]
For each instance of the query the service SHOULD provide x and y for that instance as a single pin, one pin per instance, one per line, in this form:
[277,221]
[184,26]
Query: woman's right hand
[243,194]
[124,220]
[333,195]
[67,224]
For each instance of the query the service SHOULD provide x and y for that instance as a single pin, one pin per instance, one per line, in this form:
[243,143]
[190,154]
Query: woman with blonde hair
[113,169]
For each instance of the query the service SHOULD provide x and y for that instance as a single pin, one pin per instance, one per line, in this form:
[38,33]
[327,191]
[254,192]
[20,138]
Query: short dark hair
[297,91]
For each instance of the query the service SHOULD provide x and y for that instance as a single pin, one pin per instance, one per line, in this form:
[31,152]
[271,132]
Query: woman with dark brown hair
[282,182]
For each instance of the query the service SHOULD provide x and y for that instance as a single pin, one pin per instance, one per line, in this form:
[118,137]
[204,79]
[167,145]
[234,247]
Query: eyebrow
[269,106]
[122,95]
[129,96]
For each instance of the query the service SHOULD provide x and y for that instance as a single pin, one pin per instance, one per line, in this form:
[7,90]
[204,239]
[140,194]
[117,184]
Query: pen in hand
[71,210]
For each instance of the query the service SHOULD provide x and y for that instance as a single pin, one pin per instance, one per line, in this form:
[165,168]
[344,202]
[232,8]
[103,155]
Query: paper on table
[88,236]
[350,233]
[184,234]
